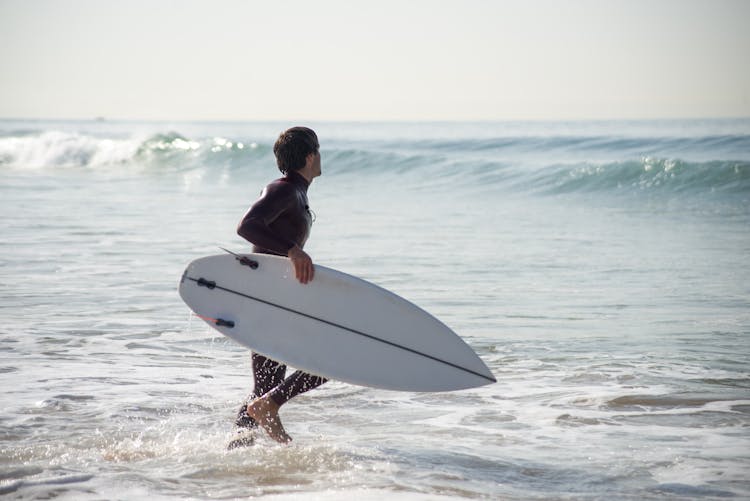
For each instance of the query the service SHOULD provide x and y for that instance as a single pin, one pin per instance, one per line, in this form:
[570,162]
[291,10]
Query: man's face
[316,168]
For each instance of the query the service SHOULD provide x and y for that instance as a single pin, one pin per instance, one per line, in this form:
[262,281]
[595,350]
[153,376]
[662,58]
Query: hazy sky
[374,60]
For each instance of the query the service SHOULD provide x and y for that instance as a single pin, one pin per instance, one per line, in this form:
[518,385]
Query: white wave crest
[63,149]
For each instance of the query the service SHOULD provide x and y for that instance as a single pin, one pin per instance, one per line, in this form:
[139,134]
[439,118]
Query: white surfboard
[336,326]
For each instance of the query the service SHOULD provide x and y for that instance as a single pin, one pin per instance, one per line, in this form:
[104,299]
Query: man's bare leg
[266,413]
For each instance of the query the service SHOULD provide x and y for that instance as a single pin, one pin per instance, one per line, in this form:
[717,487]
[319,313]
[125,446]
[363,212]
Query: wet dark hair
[293,146]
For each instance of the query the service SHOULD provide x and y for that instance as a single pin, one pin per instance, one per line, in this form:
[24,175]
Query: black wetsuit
[276,222]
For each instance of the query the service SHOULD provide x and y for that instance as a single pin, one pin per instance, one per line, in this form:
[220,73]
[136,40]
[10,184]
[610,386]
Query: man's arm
[255,226]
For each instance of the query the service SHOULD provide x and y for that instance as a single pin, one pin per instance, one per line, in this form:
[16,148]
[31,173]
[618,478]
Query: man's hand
[303,265]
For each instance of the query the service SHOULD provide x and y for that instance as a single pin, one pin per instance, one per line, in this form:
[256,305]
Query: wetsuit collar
[297,179]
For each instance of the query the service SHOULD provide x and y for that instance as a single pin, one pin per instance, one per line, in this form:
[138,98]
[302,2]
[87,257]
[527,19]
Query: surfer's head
[293,146]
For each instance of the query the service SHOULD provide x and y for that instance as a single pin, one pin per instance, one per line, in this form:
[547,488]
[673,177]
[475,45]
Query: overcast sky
[374,60]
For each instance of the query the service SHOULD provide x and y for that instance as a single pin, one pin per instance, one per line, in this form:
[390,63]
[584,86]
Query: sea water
[601,270]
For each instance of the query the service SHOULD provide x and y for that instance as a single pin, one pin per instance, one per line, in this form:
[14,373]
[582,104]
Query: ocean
[600,269]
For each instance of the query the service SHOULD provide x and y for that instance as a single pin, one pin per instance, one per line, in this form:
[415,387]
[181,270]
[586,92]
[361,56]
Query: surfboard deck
[338,326]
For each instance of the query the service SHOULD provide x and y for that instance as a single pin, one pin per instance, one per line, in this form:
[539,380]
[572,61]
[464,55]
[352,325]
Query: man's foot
[244,438]
[265,412]
[243,420]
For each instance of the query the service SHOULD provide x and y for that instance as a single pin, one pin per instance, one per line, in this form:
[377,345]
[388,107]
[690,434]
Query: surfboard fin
[219,322]
[244,260]
[202,282]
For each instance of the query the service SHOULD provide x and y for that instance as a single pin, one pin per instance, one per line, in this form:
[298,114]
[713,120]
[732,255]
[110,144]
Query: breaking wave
[66,149]
[552,164]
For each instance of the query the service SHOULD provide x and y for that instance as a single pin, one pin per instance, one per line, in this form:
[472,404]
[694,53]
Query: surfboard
[337,326]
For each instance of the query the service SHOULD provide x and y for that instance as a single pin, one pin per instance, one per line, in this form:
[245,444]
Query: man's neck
[298,177]
[306,172]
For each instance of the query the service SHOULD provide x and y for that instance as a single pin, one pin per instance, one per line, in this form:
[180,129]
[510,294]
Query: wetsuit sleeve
[255,227]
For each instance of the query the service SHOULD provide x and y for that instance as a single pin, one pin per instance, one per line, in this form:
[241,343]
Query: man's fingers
[309,271]
[300,269]
[304,270]
[303,265]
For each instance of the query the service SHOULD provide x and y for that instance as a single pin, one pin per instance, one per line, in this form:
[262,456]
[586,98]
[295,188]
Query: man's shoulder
[280,187]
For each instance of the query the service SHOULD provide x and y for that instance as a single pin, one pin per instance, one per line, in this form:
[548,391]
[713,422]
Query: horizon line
[104,119]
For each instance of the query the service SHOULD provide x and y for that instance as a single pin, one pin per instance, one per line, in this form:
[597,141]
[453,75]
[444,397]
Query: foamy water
[600,270]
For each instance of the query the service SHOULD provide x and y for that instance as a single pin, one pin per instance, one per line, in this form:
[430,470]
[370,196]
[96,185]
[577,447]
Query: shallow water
[600,270]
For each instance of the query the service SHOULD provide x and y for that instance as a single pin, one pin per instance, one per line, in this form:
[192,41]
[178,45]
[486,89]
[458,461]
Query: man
[279,223]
